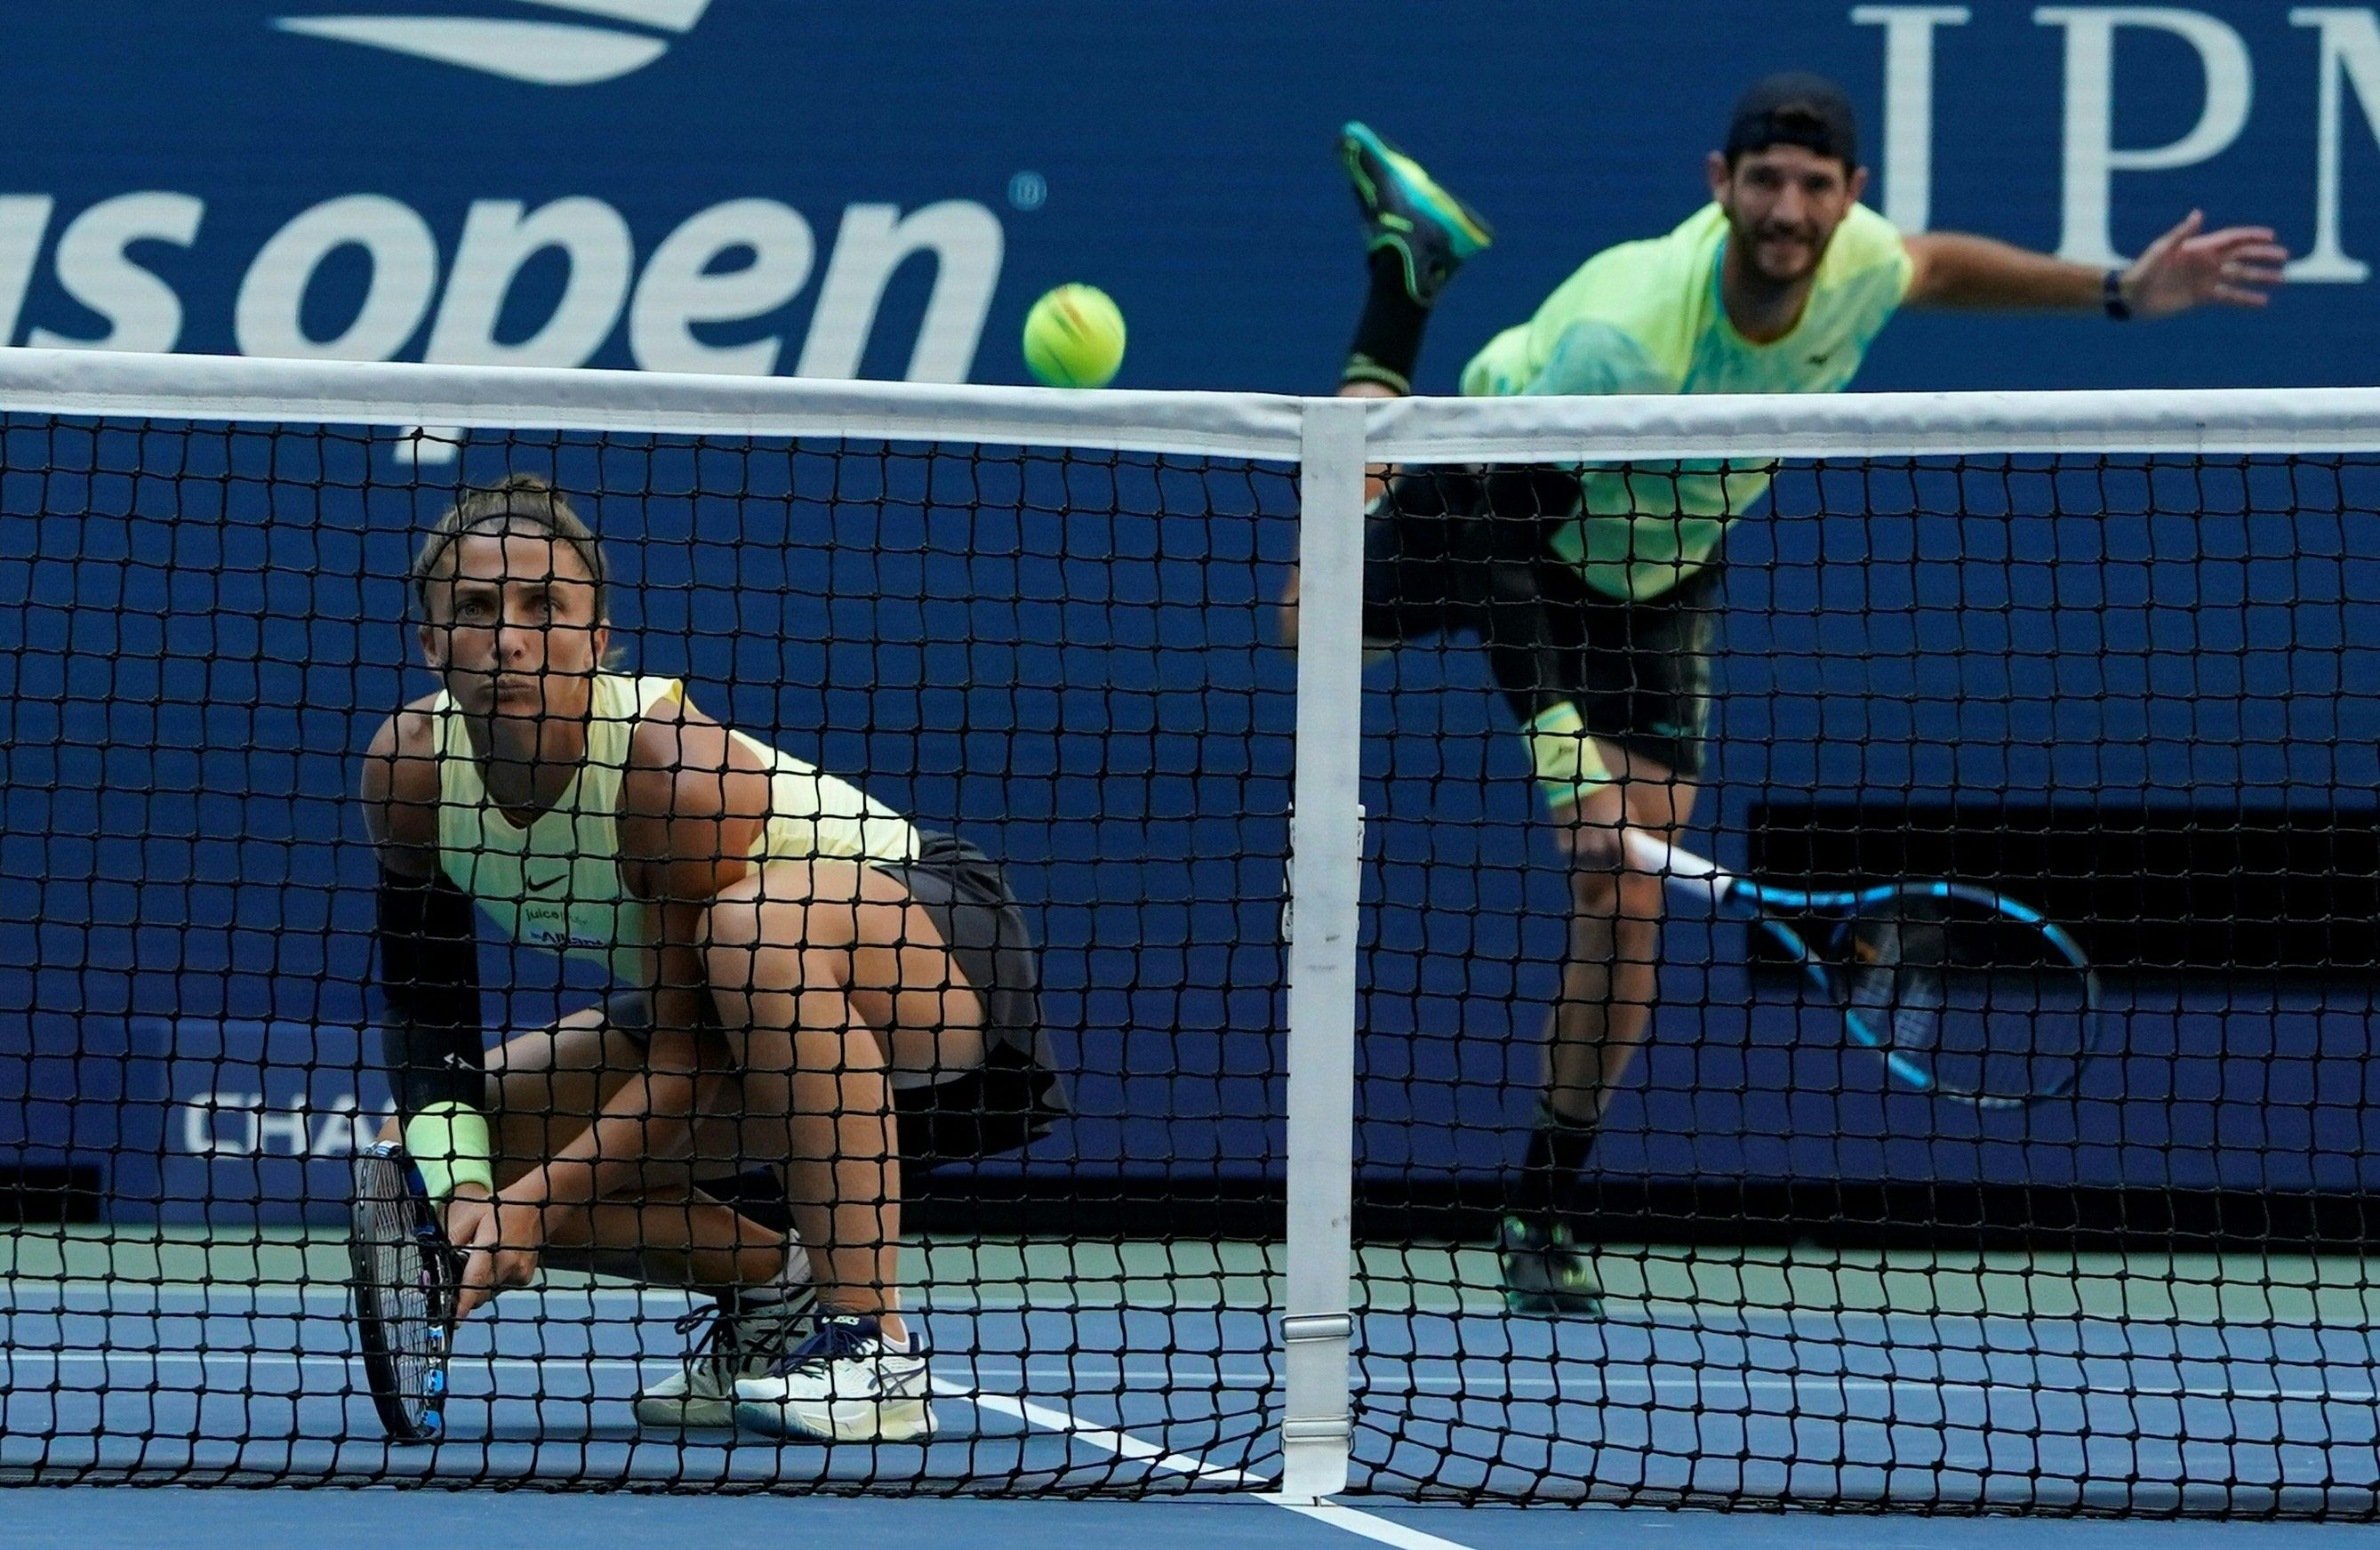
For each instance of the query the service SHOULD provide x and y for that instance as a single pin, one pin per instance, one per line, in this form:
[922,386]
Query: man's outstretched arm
[2185,268]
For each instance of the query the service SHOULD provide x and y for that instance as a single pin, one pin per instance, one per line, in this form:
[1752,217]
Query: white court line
[1123,1444]
[1343,1517]
[1107,1439]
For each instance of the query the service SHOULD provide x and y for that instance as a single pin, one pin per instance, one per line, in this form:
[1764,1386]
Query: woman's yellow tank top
[557,884]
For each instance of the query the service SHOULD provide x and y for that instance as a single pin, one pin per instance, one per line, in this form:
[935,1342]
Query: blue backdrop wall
[883,190]
[1182,159]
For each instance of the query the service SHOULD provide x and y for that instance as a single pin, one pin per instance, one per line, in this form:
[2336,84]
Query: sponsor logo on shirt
[546,936]
[548,925]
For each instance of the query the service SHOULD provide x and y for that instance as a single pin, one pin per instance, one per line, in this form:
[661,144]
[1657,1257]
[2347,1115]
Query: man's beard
[1811,244]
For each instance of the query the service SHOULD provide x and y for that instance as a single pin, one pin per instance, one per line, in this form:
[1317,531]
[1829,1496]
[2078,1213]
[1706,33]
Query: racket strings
[1985,999]
[399,1289]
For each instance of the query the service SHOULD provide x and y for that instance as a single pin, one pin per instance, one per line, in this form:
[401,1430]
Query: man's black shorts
[1448,550]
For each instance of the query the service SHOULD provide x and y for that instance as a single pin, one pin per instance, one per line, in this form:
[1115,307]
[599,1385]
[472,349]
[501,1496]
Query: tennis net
[1999,1136]
[2059,1203]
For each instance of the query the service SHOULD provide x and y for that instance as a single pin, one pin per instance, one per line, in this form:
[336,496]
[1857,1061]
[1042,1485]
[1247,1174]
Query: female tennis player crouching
[799,967]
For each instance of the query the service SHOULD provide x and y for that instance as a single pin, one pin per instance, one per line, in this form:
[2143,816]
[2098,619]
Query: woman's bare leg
[829,977]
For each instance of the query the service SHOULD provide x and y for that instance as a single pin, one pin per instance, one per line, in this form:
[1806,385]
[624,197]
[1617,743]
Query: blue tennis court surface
[240,1382]
[1832,1407]
[2106,1382]
[108,1520]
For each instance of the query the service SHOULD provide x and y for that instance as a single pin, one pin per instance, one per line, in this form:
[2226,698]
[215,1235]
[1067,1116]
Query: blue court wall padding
[1183,160]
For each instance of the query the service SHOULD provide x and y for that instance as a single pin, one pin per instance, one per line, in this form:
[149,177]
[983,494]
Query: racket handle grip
[1681,870]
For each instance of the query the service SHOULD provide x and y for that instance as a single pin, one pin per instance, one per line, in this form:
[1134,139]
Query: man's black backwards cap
[1794,108]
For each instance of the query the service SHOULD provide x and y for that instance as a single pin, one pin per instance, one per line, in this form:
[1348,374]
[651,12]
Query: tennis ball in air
[1073,337]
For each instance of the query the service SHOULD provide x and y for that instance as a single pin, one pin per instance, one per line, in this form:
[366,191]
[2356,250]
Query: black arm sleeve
[429,976]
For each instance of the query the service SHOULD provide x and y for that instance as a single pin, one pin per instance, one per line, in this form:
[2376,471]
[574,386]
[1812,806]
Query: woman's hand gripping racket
[1961,992]
[406,1277]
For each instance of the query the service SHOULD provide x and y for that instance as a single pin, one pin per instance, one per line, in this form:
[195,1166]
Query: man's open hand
[2190,267]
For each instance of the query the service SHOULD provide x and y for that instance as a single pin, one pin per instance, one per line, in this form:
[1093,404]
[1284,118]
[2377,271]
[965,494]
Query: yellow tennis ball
[1073,337]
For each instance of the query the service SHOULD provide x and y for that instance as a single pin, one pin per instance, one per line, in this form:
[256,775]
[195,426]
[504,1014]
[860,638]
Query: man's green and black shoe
[1546,1273]
[1405,211]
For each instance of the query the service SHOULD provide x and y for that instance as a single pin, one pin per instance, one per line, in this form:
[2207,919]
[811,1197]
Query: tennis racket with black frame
[407,1279]
[1962,991]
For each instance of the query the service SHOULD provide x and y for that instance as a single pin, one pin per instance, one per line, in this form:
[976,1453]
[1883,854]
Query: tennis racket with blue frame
[1962,991]
[407,1279]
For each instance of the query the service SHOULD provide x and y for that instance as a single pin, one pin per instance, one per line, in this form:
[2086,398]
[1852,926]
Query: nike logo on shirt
[546,884]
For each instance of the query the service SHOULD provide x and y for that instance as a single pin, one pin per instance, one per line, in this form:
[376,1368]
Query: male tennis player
[1595,590]
[797,965]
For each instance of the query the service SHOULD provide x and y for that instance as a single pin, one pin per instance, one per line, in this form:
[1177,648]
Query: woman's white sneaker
[747,1336]
[848,1382]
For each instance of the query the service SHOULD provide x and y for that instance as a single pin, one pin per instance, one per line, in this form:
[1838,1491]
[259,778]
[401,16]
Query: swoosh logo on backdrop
[540,52]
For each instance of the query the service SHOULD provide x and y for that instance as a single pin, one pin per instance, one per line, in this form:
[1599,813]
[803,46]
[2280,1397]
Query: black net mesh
[1813,1201]
[1955,917]
[1063,659]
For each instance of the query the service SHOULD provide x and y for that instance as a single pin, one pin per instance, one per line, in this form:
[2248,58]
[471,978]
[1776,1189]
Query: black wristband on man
[2111,295]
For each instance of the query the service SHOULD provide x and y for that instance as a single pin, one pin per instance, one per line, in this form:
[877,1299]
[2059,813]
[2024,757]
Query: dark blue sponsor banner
[202,1120]
[259,1119]
[838,190]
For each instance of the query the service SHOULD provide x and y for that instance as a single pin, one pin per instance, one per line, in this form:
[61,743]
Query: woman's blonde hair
[521,502]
